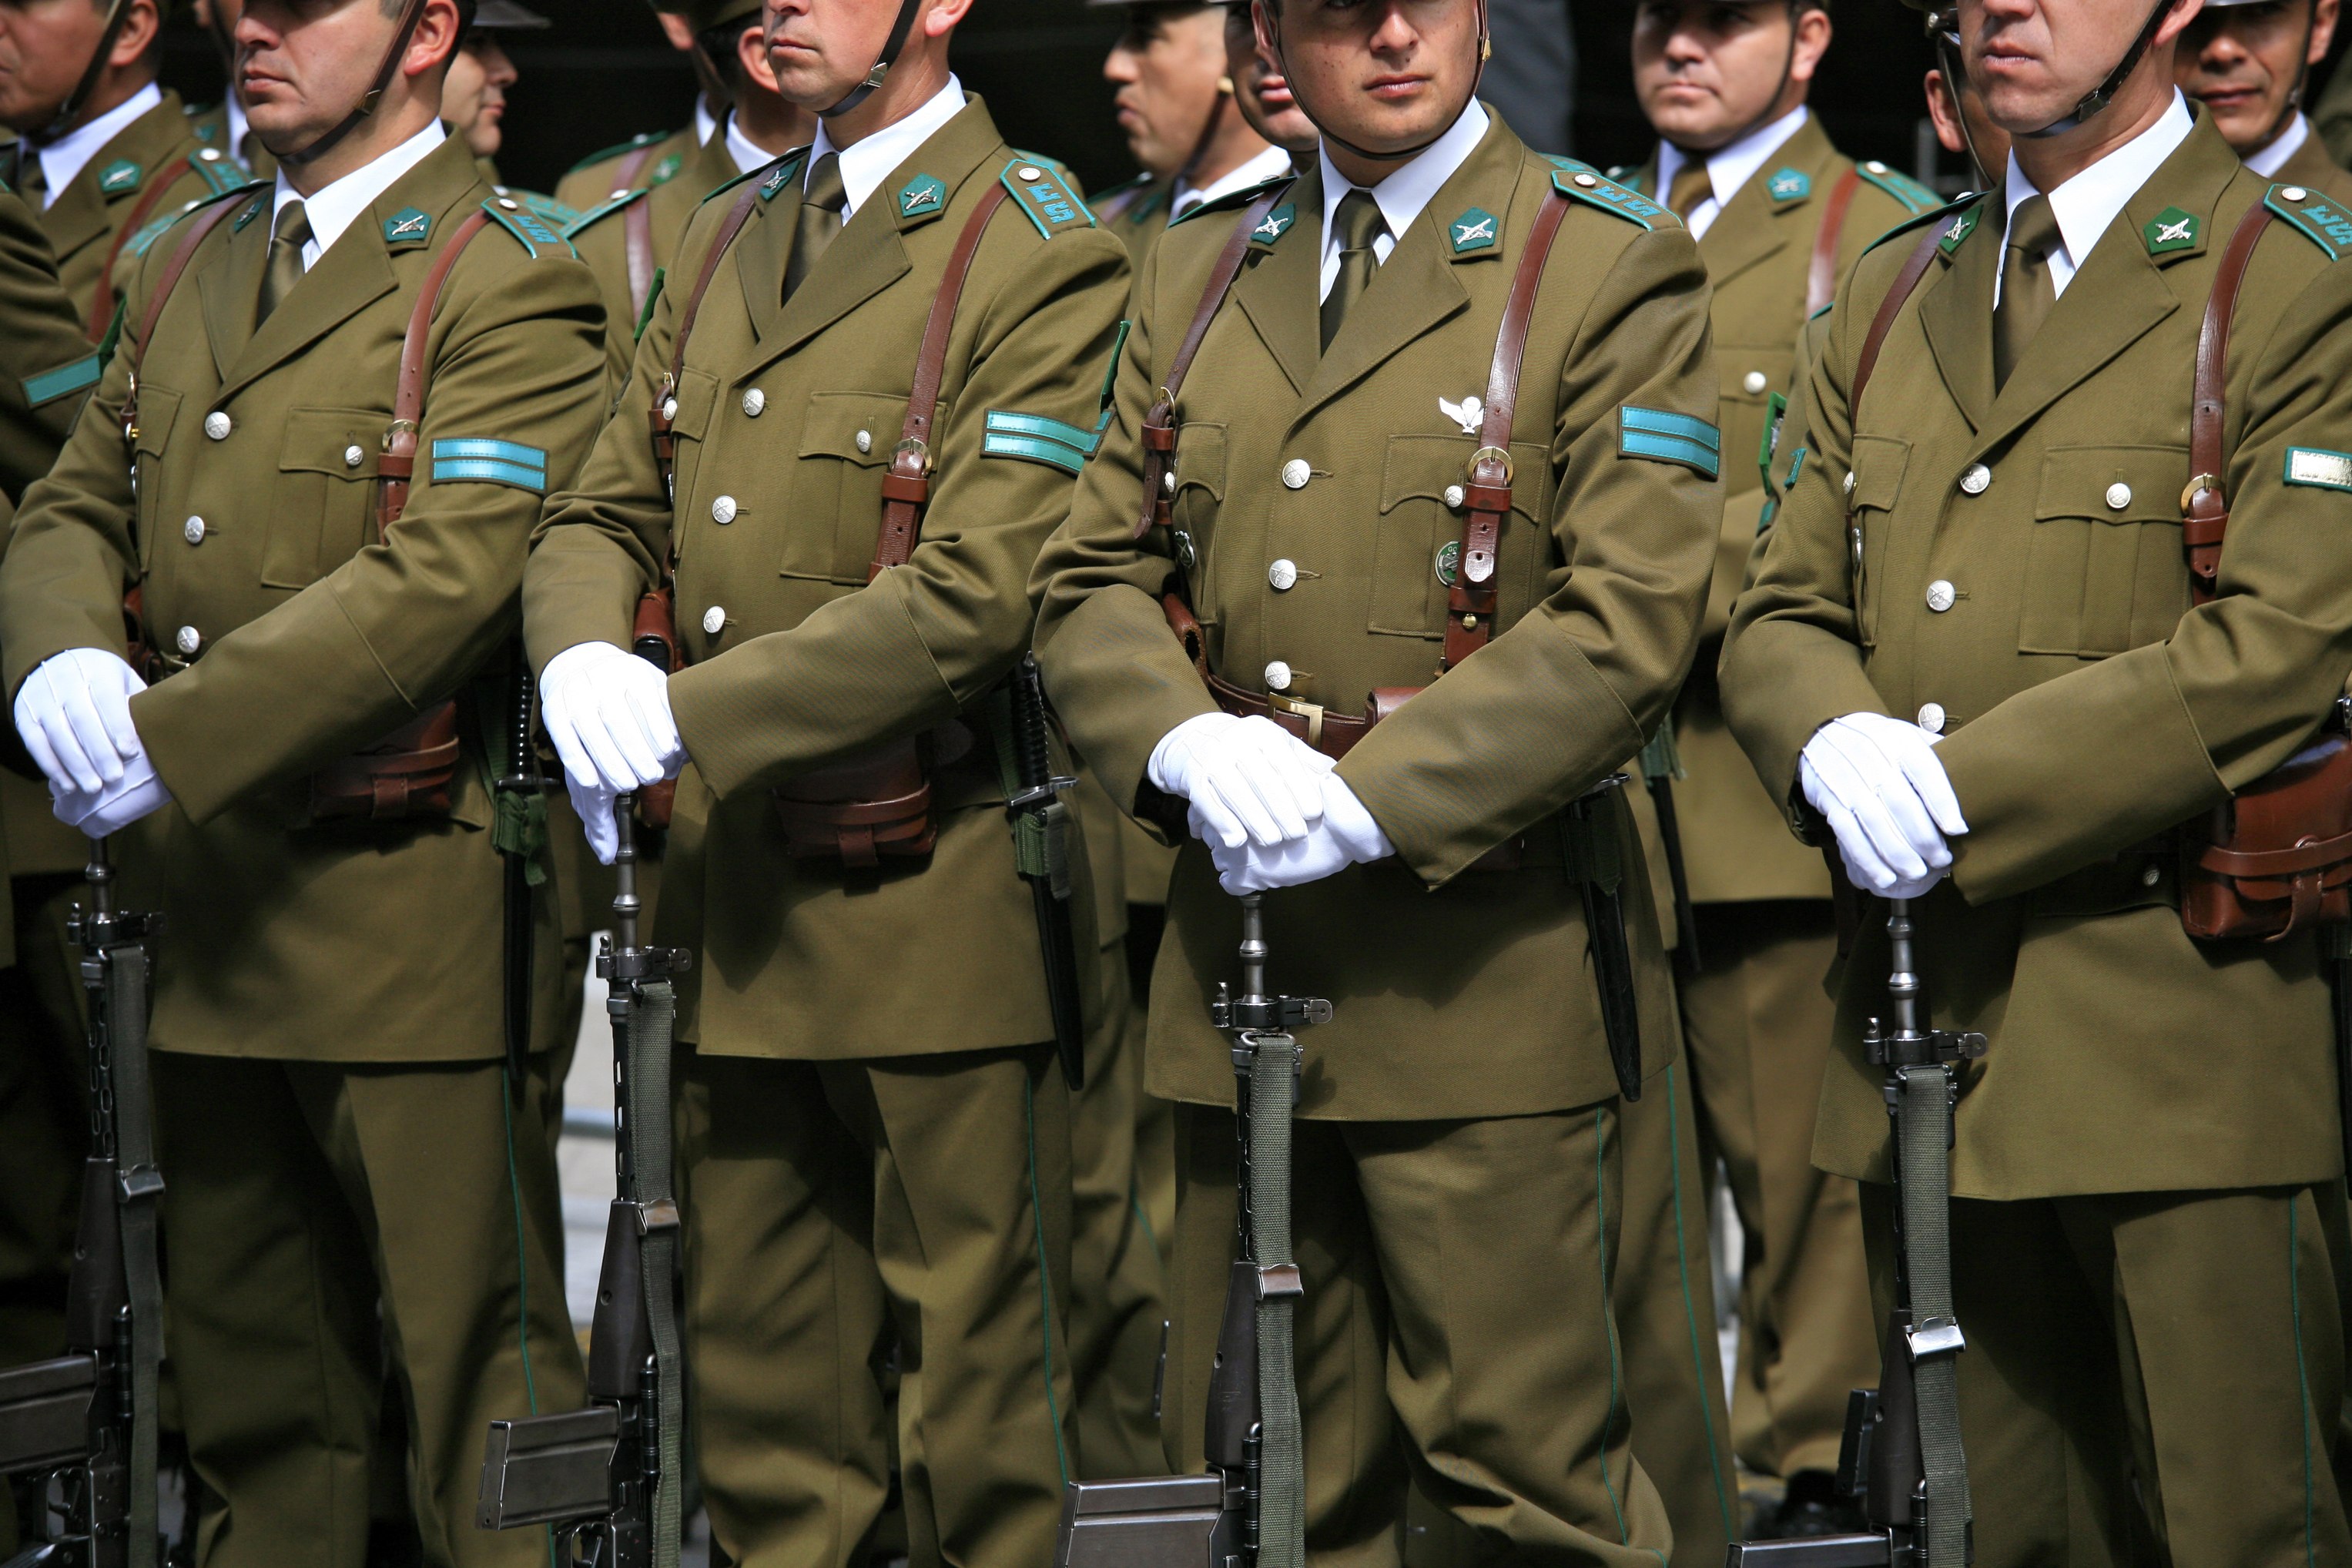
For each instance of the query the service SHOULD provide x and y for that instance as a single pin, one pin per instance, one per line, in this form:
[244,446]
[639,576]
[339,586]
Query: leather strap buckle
[1311,711]
[2197,486]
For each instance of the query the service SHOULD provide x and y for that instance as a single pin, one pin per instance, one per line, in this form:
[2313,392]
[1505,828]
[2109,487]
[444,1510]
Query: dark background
[605,73]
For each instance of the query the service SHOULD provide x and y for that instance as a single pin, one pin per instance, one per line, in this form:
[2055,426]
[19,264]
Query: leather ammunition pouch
[407,774]
[874,808]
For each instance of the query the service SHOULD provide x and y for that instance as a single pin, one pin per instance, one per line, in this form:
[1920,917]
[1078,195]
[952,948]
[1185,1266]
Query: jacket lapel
[230,284]
[1957,313]
[1277,288]
[1757,223]
[84,210]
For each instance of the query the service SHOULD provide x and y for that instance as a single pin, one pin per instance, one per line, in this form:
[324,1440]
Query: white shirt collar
[2271,158]
[337,207]
[67,156]
[2086,204]
[865,163]
[1728,168]
[239,126]
[1404,192]
[748,155]
[705,127]
[1272,163]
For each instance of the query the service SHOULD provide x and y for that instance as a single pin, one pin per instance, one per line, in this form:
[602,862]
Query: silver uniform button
[1277,675]
[193,530]
[1976,478]
[865,440]
[714,621]
[1168,481]
[209,154]
[1931,718]
[2119,496]
[1587,181]
[1455,496]
[354,456]
[1296,473]
[218,426]
[2150,876]
[189,640]
[1755,382]
[755,403]
[1030,171]
[2295,193]
[669,407]
[507,204]
[1940,595]
[1875,167]
[1283,575]
[722,511]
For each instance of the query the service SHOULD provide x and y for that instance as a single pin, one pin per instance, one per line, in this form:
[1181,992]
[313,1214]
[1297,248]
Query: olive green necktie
[2026,290]
[1691,187]
[819,220]
[287,235]
[32,180]
[1359,223]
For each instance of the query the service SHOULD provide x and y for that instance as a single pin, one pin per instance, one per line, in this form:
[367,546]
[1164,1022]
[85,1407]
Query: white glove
[1249,779]
[607,711]
[73,713]
[1346,835]
[116,805]
[1878,782]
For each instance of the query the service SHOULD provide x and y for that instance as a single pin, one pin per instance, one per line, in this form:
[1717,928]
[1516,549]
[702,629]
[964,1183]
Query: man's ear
[1814,31]
[942,17]
[140,25]
[2322,30]
[436,38]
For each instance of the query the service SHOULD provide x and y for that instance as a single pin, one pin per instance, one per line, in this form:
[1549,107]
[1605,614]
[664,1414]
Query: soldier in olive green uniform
[873,1132]
[474,104]
[1457,1163]
[2249,62]
[2147,1247]
[1175,103]
[347,1187]
[656,157]
[1780,214]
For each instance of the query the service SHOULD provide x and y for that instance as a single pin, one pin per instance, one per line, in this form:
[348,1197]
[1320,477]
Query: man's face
[2033,60]
[303,65]
[2244,62]
[44,44]
[1166,67]
[220,14]
[1385,75]
[1708,70]
[474,99]
[820,49]
[1259,90]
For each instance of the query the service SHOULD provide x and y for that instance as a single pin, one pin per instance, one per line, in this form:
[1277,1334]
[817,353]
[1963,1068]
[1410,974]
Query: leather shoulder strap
[624,175]
[2204,510]
[201,228]
[907,487]
[1906,282]
[1822,277]
[102,305]
[637,245]
[1487,496]
[398,464]
[664,399]
[1160,422]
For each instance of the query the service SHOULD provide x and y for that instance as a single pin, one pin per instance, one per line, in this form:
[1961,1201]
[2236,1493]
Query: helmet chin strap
[891,47]
[366,105]
[2096,101]
[70,109]
[1946,45]
[1486,49]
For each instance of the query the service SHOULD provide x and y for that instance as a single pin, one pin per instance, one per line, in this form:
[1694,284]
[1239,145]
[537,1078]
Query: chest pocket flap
[858,431]
[320,516]
[159,407]
[1419,544]
[2104,572]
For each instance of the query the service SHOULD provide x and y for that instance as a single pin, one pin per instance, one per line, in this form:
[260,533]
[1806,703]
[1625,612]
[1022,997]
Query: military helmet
[507,16]
[703,14]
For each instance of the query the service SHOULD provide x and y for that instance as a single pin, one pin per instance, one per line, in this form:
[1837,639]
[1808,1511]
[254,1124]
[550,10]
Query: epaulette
[1583,183]
[2323,222]
[621,149]
[222,173]
[1962,209]
[573,229]
[546,208]
[1231,200]
[1914,195]
[1044,197]
[1626,174]
[526,226]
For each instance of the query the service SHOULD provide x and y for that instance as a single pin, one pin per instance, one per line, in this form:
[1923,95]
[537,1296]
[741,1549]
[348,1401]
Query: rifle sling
[140,1185]
[1282,1453]
[653,1012]
[2204,508]
[1822,273]
[1923,1131]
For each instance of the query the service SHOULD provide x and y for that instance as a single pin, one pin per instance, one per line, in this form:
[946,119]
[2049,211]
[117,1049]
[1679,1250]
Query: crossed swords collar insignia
[2171,230]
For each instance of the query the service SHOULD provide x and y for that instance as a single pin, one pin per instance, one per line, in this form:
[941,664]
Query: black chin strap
[366,105]
[1209,128]
[70,109]
[1485,47]
[1947,44]
[2096,101]
[899,30]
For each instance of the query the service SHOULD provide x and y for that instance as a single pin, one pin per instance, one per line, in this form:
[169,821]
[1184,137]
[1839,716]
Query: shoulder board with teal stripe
[1914,195]
[571,230]
[1232,201]
[1045,196]
[144,240]
[2319,220]
[1961,209]
[223,173]
[527,227]
[555,215]
[1583,183]
[620,149]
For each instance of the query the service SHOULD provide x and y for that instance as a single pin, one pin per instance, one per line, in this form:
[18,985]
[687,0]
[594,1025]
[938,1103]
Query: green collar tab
[1963,223]
[924,197]
[260,205]
[408,227]
[1789,186]
[120,178]
[1475,230]
[2171,230]
[1039,190]
[778,178]
[1273,226]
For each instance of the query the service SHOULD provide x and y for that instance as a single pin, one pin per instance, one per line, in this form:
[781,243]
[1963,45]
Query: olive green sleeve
[46,365]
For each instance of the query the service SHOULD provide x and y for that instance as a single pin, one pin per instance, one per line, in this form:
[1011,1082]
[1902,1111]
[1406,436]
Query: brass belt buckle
[1311,711]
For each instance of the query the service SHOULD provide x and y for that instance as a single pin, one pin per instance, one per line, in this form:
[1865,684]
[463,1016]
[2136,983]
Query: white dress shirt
[67,156]
[1728,168]
[2290,142]
[705,126]
[2086,204]
[239,127]
[1270,164]
[342,204]
[748,155]
[1403,193]
[863,162]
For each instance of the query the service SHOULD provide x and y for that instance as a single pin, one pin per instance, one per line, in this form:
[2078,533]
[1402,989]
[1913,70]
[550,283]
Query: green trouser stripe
[653,1010]
[1045,1273]
[1690,1313]
[2303,1381]
[1282,1461]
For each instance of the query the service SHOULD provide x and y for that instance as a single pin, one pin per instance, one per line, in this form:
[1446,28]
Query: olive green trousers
[1458,1332]
[322,1222]
[836,1212]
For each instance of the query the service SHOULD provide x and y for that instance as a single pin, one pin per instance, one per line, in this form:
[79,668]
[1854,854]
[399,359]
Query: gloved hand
[607,711]
[1879,783]
[1249,779]
[1345,835]
[116,805]
[73,713]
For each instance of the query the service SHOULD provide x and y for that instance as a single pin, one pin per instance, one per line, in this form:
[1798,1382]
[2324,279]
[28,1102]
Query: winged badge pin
[1467,412]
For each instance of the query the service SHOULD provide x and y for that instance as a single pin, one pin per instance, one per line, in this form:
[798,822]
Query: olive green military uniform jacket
[2310,168]
[1459,992]
[601,236]
[252,534]
[590,183]
[1138,212]
[1760,255]
[2087,710]
[788,412]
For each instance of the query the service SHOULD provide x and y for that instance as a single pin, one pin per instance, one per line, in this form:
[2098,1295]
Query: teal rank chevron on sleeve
[63,382]
[1040,439]
[484,460]
[1664,438]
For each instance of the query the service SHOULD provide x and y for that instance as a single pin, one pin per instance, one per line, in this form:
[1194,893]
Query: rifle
[1041,826]
[520,834]
[1597,859]
[1902,1455]
[608,1477]
[1249,1510]
[82,1426]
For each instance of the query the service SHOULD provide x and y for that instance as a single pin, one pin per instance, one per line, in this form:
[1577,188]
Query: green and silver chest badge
[1449,562]
[1474,230]
[119,176]
[2171,230]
